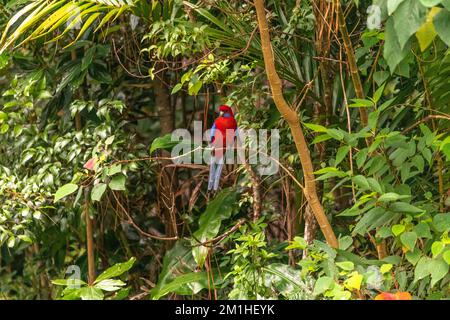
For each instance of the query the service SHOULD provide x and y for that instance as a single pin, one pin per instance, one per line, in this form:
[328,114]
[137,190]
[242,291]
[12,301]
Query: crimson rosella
[222,137]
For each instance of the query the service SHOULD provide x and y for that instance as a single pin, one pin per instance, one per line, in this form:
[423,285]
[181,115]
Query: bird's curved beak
[221,113]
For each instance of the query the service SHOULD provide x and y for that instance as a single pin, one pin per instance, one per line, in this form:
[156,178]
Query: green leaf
[409,240]
[345,242]
[114,169]
[177,88]
[164,142]
[404,207]
[422,230]
[91,293]
[446,256]
[397,229]
[442,25]
[193,89]
[392,5]
[358,103]
[178,282]
[361,182]
[441,222]
[315,127]
[422,269]
[346,265]
[426,33]
[413,256]
[341,154]
[117,182]
[323,284]
[438,270]
[68,282]
[437,247]
[393,53]
[430,3]
[385,268]
[110,285]
[219,209]
[65,190]
[369,219]
[297,243]
[408,18]
[116,270]
[97,191]
[391,196]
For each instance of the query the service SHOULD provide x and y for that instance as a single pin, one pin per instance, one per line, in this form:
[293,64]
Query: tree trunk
[293,121]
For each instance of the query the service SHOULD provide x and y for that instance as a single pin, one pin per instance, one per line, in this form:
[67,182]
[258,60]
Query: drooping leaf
[97,191]
[219,209]
[65,190]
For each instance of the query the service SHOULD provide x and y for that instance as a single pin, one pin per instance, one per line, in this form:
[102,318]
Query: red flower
[394,296]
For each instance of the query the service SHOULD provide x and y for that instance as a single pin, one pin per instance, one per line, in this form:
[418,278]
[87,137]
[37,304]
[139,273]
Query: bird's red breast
[225,128]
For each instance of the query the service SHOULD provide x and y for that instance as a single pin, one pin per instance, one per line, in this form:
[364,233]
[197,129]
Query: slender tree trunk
[351,60]
[89,239]
[168,178]
[293,121]
[89,221]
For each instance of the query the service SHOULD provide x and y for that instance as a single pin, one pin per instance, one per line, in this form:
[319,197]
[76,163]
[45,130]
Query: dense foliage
[92,208]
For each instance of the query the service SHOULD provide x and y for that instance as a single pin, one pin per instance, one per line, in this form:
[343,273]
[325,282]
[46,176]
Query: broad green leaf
[438,270]
[441,222]
[117,182]
[422,268]
[391,196]
[341,154]
[91,293]
[422,230]
[345,242]
[180,281]
[164,142]
[315,127]
[446,256]
[114,169]
[358,103]
[177,261]
[413,256]
[97,191]
[409,240]
[408,18]
[404,207]
[116,270]
[385,268]
[437,247]
[110,285]
[426,33]
[397,229]
[68,282]
[65,190]
[361,182]
[346,265]
[219,209]
[393,53]
[392,5]
[442,25]
[177,88]
[323,284]
[430,3]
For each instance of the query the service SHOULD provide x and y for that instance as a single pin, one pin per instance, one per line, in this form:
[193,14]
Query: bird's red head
[226,109]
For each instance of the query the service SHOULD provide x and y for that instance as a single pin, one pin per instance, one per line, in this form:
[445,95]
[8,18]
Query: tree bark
[351,60]
[293,121]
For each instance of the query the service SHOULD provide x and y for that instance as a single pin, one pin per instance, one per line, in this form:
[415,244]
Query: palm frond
[41,18]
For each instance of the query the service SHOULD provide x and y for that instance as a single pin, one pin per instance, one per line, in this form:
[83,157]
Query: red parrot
[222,136]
